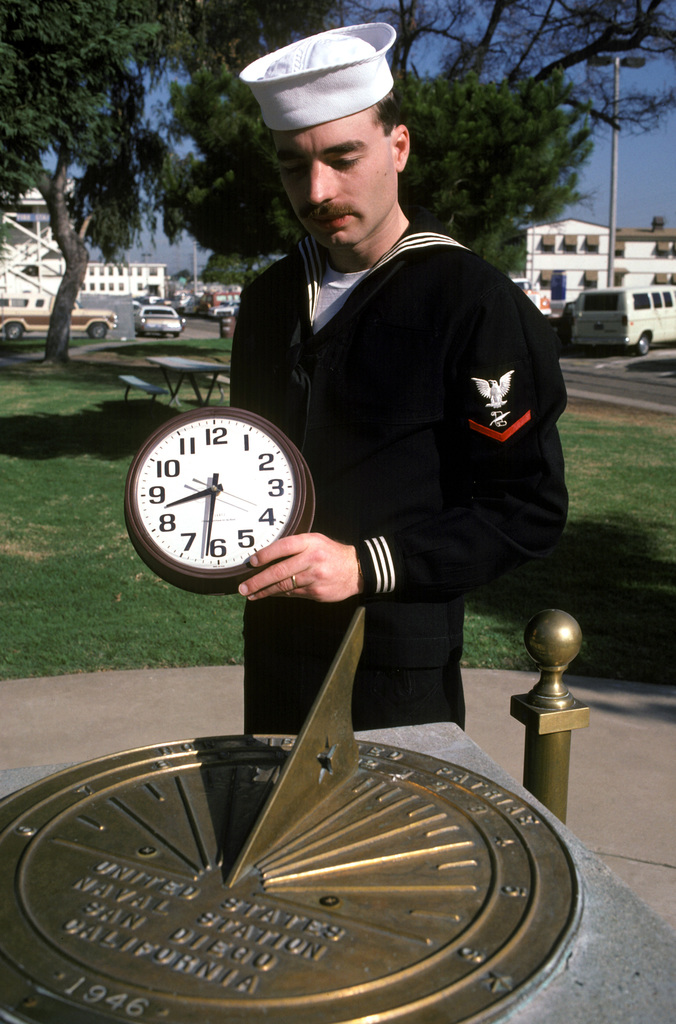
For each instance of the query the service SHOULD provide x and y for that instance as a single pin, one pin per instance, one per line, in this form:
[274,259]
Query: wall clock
[208,489]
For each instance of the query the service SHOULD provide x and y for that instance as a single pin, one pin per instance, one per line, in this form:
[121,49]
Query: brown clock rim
[198,579]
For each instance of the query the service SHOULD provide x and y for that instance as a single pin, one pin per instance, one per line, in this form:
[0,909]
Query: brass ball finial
[552,638]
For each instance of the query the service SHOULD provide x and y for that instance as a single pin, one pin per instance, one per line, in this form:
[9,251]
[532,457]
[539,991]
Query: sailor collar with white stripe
[314,258]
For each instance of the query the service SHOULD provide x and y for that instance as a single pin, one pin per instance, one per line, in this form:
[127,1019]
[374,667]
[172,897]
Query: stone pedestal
[620,965]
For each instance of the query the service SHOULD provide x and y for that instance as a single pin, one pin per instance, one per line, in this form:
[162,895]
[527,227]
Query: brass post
[549,711]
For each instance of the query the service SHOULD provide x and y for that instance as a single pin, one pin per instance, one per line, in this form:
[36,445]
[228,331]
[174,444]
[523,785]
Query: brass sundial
[241,880]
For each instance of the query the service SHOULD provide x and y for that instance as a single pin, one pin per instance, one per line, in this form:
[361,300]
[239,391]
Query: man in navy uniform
[422,387]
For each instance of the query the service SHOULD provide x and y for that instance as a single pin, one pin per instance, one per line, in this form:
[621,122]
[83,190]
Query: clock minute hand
[215,489]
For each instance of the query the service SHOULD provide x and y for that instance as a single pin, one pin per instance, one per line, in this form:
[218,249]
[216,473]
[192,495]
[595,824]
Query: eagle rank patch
[495,392]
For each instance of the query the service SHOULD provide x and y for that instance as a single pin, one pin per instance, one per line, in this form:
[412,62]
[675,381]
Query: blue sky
[646,183]
[646,178]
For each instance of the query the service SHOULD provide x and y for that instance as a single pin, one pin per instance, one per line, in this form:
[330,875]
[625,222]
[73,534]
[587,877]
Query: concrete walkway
[622,795]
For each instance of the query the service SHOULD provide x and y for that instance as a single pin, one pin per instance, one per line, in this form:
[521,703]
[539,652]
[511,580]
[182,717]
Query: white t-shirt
[336,288]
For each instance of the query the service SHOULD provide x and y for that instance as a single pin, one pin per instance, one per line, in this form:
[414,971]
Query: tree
[490,159]
[519,39]
[72,91]
[229,197]
[496,94]
[234,269]
[486,160]
[229,34]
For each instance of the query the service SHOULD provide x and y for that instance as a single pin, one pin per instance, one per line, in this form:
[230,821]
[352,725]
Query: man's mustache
[325,211]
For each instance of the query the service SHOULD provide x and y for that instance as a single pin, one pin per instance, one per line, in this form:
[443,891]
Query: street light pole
[613,176]
[627,62]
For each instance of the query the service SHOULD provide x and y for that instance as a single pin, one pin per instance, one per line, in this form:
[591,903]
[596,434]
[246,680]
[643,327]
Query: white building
[125,279]
[575,252]
[31,261]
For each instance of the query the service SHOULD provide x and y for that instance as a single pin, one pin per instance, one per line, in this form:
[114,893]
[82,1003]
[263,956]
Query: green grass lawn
[75,597]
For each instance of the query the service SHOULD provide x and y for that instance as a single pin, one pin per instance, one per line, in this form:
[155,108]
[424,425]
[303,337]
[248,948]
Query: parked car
[157,319]
[185,305]
[634,318]
[208,300]
[218,311]
[31,312]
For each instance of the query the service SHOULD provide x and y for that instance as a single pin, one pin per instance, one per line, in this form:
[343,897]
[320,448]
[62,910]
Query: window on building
[570,243]
[548,243]
[592,243]
[102,286]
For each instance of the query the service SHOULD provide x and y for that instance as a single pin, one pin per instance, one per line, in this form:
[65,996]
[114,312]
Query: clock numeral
[266,463]
[246,539]
[156,495]
[245,439]
[217,549]
[170,468]
[167,522]
[191,537]
[216,436]
[191,446]
[276,488]
[267,517]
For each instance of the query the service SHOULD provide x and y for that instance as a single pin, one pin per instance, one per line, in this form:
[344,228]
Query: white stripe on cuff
[383,564]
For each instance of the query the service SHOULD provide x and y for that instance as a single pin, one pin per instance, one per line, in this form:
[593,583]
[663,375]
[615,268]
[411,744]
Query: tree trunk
[76,256]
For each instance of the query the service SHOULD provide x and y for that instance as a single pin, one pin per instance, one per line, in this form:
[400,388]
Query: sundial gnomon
[247,879]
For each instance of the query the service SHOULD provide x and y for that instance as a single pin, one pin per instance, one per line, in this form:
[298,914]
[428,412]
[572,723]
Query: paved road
[647,382]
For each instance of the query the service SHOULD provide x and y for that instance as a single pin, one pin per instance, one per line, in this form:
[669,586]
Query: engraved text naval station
[247,879]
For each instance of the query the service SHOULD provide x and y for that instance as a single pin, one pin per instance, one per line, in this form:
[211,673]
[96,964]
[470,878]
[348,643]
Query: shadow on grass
[112,430]
[609,577]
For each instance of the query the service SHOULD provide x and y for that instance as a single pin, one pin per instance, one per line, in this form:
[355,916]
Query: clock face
[210,488]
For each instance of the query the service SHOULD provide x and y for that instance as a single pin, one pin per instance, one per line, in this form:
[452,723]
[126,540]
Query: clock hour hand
[215,489]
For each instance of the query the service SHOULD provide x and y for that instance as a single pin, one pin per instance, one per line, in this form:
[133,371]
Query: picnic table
[176,369]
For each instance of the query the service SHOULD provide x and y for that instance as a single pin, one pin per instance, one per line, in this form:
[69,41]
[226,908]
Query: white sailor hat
[324,77]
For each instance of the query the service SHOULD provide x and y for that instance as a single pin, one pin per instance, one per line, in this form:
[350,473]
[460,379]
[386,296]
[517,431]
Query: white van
[636,318]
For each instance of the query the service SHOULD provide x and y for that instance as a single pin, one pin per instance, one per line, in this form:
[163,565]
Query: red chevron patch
[500,435]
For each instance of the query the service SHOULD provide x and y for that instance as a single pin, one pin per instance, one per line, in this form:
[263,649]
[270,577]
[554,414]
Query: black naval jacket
[426,409]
